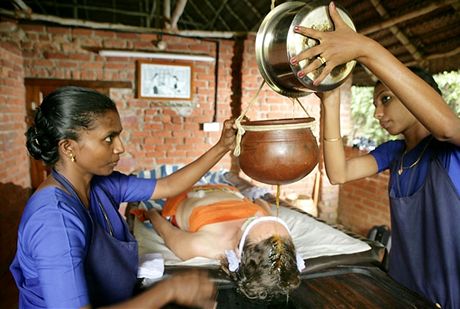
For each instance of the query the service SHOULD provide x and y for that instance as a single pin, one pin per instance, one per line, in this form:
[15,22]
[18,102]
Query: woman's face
[99,149]
[392,115]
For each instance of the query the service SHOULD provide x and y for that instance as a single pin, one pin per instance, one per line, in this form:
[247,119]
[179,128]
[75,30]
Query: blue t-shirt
[53,239]
[411,180]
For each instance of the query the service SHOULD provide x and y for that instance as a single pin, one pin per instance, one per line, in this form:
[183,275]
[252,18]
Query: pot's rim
[261,50]
[279,121]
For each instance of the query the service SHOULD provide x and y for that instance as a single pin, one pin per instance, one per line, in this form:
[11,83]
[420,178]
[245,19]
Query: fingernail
[296,28]
[293,60]
[300,74]
[332,5]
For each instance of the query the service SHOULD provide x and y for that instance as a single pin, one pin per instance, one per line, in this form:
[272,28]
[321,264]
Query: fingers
[329,52]
[335,16]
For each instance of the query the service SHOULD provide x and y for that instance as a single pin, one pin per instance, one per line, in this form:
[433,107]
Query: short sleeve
[386,153]
[124,188]
[56,241]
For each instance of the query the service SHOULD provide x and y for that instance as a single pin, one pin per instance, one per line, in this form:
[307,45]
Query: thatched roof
[425,33]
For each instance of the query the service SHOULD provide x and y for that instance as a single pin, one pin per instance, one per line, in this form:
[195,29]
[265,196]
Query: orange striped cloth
[216,212]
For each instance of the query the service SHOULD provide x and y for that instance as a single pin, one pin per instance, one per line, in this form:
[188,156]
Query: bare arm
[184,245]
[338,169]
[343,45]
[187,176]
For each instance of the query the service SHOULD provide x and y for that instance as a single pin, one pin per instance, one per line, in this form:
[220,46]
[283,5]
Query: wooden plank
[80,83]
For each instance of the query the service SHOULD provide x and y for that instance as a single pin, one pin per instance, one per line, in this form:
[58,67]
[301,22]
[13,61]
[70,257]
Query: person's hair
[268,270]
[423,74]
[62,114]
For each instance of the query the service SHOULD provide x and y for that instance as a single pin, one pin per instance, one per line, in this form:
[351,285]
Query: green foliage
[449,83]
[362,109]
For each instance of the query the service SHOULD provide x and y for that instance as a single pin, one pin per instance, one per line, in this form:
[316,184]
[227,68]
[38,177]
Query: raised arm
[338,169]
[187,176]
[343,45]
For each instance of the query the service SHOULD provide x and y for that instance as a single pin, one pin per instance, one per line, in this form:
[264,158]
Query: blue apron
[425,251]
[111,264]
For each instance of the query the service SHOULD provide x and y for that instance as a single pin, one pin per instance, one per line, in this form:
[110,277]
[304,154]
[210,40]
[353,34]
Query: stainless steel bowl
[276,43]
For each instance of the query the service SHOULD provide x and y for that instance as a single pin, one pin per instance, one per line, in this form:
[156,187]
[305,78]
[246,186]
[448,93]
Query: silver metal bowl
[276,43]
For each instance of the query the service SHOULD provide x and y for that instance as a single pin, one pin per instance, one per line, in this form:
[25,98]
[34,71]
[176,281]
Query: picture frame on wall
[164,80]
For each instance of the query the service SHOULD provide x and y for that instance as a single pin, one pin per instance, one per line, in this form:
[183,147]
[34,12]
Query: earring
[72,157]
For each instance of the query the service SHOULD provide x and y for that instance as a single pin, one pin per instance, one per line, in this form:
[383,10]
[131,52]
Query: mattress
[313,239]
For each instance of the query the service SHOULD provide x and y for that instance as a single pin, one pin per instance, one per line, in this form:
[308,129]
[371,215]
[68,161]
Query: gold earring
[72,157]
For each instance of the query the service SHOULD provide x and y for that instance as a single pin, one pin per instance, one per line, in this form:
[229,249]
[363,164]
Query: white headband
[234,259]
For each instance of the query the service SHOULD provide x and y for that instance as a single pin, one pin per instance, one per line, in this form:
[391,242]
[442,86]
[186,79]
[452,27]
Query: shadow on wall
[13,200]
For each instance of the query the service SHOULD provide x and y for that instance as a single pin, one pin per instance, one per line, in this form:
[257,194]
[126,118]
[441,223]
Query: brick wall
[14,163]
[159,132]
[14,166]
[156,131]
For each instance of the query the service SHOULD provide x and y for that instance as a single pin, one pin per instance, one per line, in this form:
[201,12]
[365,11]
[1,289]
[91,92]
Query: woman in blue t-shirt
[424,167]
[74,249]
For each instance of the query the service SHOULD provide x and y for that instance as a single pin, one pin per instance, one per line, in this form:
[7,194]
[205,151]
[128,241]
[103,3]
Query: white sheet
[311,238]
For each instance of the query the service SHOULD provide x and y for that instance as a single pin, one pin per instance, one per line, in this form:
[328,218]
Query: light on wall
[154,55]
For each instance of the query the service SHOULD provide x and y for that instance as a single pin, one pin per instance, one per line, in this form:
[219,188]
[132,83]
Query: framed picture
[164,80]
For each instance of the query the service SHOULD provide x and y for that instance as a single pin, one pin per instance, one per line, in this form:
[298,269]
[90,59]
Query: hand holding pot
[227,138]
[336,47]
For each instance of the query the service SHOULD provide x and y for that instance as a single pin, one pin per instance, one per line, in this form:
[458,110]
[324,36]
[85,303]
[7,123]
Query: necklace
[402,168]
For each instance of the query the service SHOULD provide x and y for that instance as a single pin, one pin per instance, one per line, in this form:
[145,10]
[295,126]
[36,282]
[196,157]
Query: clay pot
[284,152]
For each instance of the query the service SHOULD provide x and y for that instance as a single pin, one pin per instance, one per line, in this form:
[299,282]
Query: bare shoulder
[218,237]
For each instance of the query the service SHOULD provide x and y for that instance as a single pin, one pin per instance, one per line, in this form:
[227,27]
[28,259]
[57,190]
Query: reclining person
[216,221]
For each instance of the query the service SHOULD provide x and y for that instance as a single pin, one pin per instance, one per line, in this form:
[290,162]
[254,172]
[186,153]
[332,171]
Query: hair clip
[233,261]
[300,262]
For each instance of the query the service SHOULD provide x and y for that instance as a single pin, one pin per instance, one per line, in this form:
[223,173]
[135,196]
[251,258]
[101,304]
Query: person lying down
[256,249]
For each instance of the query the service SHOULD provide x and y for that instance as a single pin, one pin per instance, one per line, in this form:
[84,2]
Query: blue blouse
[412,179]
[53,239]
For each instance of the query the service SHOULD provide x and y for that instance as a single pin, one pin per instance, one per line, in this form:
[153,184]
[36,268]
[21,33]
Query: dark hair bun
[33,144]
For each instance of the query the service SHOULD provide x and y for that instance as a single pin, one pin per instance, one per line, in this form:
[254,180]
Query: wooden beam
[411,15]
[236,17]
[217,13]
[22,6]
[396,32]
[118,27]
[177,13]
[95,8]
[450,53]
[80,83]
[198,11]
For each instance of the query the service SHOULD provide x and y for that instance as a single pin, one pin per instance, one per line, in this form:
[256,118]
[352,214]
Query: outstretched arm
[343,45]
[183,244]
[187,176]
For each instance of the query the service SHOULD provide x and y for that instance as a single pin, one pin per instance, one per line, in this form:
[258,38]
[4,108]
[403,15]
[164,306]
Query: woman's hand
[192,288]
[228,135]
[336,47]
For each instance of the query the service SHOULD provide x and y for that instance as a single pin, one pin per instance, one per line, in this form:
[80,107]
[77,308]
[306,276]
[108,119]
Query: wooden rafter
[411,15]
[204,17]
[397,32]
[217,14]
[236,17]
[118,27]
[112,9]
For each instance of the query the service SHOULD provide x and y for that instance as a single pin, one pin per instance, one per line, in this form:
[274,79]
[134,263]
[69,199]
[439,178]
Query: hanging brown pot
[278,151]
